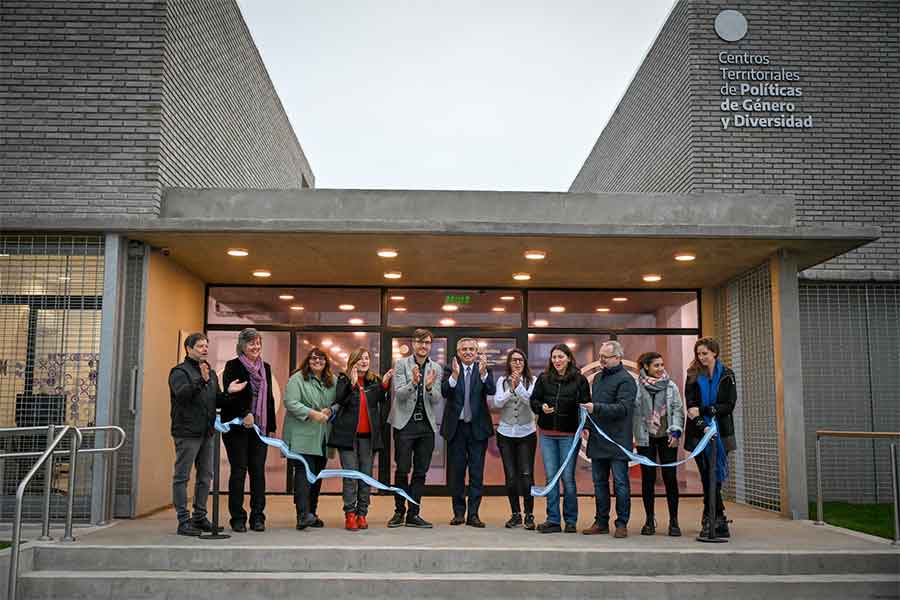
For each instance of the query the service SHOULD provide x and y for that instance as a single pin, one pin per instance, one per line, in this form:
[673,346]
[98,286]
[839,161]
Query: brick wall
[103,104]
[646,146]
[843,171]
[223,123]
[80,94]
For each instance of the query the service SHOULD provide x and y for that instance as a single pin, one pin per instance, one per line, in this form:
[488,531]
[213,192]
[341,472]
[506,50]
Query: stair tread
[414,576]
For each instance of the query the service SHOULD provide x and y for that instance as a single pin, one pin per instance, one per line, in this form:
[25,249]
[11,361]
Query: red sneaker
[361,522]
[350,522]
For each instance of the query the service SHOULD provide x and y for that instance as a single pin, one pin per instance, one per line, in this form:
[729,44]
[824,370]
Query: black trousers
[465,453]
[306,495]
[246,454]
[517,455]
[711,492]
[658,451]
[411,453]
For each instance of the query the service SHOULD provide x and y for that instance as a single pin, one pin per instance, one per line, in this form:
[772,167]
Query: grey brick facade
[104,104]
[842,171]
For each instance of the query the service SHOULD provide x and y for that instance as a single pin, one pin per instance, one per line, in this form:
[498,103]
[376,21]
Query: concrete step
[430,560]
[337,585]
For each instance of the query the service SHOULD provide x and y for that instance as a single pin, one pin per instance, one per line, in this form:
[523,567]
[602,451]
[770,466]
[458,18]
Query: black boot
[649,527]
[722,530]
[674,529]
[514,521]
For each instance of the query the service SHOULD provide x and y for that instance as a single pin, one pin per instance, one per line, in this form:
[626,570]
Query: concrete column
[789,385]
[115,256]
[708,299]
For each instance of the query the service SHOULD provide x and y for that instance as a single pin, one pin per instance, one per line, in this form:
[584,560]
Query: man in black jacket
[613,395]
[194,392]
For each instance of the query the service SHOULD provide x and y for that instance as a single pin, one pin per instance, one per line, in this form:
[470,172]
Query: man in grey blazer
[417,390]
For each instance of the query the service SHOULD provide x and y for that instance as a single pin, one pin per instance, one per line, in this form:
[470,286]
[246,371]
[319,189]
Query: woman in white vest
[516,435]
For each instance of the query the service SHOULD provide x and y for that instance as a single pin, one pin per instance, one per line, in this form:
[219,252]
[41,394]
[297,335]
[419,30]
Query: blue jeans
[553,450]
[600,469]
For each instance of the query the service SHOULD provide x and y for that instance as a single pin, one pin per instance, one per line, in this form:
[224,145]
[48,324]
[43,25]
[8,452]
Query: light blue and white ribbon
[638,458]
[324,473]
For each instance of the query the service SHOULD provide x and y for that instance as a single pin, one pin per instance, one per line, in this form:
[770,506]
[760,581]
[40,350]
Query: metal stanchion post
[820,514]
[73,465]
[48,487]
[216,533]
[894,481]
[712,495]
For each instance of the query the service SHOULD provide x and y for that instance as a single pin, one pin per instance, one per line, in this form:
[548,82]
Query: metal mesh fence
[50,311]
[744,322]
[851,381]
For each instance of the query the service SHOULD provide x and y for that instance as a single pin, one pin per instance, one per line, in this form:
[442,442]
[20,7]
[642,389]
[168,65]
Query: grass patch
[5,545]
[874,519]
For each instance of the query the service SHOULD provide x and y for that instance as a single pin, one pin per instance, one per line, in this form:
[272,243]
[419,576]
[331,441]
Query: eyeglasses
[605,357]
[521,360]
[316,359]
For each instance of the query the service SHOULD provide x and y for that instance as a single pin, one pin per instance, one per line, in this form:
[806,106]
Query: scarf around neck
[260,389]
[709,389]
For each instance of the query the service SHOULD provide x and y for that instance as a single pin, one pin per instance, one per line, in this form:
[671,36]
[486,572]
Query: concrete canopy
[448,238]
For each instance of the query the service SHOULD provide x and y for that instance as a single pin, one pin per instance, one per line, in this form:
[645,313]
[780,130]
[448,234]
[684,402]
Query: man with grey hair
[613,395]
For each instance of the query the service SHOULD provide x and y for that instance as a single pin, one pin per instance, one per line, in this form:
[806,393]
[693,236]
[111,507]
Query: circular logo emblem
[731,25]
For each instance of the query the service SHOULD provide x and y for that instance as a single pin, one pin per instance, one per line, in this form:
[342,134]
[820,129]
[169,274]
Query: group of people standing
[346,412]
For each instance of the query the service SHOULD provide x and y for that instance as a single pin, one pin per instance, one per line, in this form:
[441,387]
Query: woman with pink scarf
[255,404]
[658,423]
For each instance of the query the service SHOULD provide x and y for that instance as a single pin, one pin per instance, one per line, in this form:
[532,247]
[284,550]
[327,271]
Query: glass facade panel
[641,321]
[454,308]
[613,311]
[292,306]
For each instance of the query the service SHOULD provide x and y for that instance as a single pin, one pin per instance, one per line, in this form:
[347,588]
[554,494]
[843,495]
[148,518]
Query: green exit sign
[459,300]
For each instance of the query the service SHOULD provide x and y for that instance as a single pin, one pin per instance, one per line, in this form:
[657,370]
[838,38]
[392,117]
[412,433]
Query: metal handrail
[874,435]
[47,457]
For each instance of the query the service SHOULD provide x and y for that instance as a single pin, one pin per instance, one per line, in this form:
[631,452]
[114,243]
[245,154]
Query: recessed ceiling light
[262,273]
[398,298]
[355,321]
[448,322]
[507,298]
[685,257]
[297,307]
[237,252]
[602,309]
[450,308]
[652,278]
[326,342]
[306,342]
[335,348]
[571,344]
[499,309]
[541,323]
[620,299]
[393,275]
[343,355]
[346,307]
[557,309]
[388,253]
[400,308]
[535,254]
[359,334]
[521,276]
[285,297]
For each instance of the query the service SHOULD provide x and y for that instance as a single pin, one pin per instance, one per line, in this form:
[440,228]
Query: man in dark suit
[466,426]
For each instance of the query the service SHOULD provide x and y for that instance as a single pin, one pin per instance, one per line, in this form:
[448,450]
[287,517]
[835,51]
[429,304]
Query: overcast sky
[498,95]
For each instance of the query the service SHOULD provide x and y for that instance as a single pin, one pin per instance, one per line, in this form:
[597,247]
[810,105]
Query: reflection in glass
[612,310]
[469,308]
[293,306]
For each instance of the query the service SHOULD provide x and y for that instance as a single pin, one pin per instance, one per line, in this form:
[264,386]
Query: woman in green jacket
[309,400]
